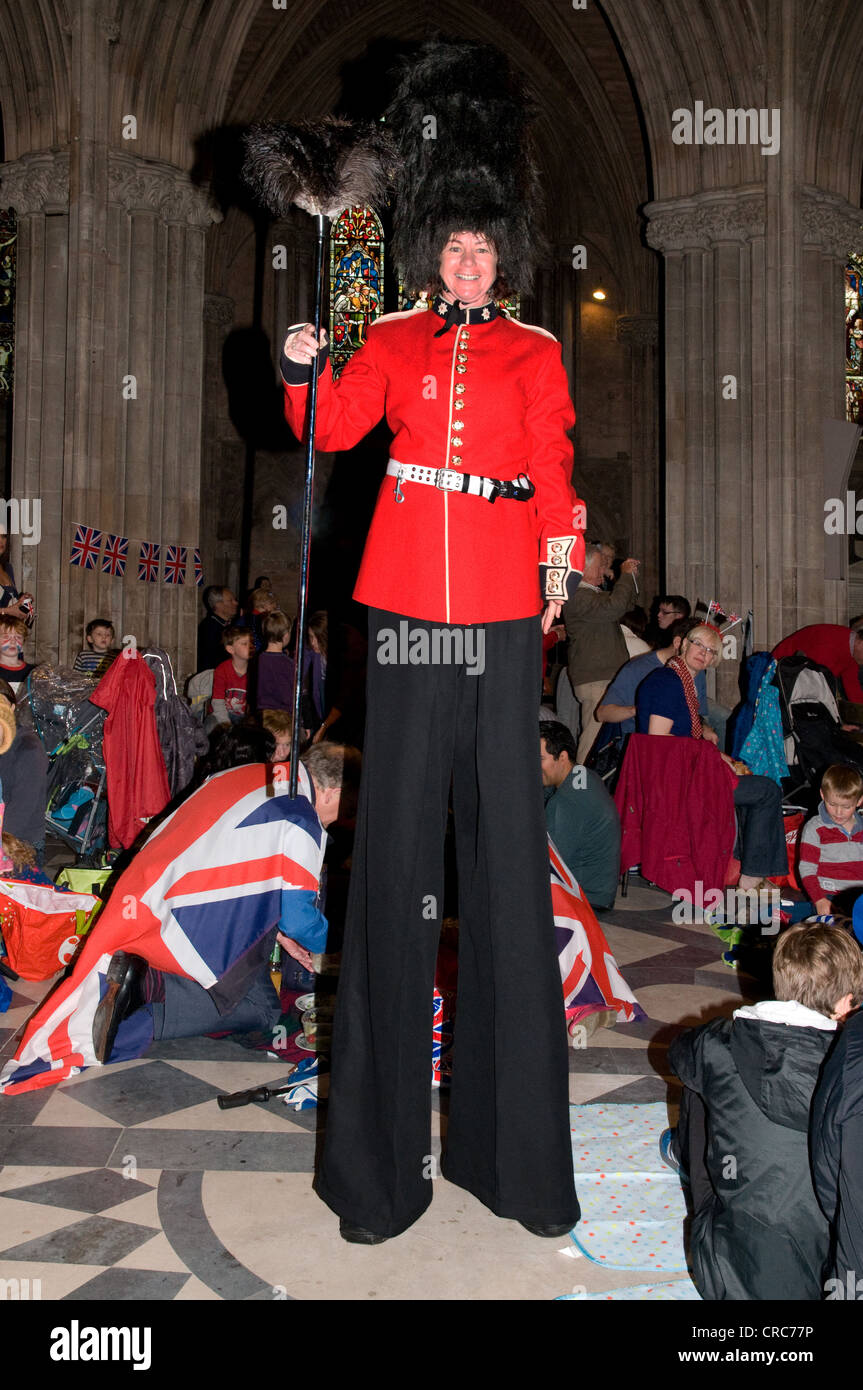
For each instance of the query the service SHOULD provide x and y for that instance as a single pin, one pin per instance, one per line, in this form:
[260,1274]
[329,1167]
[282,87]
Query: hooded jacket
[761,1235]
[837,1157]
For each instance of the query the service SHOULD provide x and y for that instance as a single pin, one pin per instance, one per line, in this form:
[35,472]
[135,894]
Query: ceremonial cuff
[559,579]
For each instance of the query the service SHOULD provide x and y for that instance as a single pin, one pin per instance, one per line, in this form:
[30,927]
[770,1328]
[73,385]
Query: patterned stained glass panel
[854,340]
[356,281]
[8,240]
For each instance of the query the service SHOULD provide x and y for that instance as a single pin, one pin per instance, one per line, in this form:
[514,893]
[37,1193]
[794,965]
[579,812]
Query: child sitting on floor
[743,1137]
[831,847]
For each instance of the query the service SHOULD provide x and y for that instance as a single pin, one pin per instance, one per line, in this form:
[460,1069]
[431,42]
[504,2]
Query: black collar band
[455,314]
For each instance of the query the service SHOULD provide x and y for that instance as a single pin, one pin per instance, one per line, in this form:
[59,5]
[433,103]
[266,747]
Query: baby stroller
[70,728]
[809,698]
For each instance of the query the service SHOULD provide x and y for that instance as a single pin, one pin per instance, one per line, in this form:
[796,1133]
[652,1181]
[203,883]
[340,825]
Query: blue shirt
[662,693]
[623,688]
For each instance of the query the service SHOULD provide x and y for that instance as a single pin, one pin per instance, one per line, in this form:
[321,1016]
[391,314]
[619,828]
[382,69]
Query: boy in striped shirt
[831,845]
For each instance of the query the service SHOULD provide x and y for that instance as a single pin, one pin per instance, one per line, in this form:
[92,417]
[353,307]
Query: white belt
[451,480]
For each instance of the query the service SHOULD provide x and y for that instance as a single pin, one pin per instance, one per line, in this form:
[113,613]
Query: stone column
[753,365]
[37,187]
[216,428]
[640,332]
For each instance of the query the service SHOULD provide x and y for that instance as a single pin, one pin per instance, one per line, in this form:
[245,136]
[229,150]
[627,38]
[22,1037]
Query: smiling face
[701,648]
[468,268]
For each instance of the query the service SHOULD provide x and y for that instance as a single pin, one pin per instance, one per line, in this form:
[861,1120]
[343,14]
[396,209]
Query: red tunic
[487,398]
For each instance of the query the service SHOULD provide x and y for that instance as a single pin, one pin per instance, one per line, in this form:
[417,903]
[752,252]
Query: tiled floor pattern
[132,1184]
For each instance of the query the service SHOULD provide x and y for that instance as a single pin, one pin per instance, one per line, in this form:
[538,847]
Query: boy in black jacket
[757,1230]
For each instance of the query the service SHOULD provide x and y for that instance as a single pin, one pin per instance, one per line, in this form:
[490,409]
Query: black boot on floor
[125,994]
[358,1235]
[550,1231]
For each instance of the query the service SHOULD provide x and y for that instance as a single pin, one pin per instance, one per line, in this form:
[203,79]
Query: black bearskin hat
[459,119]
[323,166]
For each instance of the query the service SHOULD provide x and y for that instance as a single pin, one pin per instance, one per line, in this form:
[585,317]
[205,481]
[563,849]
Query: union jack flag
[175,564]
[591,979]
[199,569]
[148,561]
[235,861]
[85,547]
[114,556]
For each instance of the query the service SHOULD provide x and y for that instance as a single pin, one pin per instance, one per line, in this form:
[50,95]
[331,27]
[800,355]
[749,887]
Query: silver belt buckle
[449,479]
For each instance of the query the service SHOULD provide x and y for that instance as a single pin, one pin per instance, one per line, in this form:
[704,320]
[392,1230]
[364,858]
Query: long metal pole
[306,536]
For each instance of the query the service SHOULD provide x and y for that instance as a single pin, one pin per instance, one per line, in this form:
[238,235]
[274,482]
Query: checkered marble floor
[130,1183]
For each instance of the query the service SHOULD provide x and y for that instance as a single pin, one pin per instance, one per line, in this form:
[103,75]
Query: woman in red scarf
[667,704]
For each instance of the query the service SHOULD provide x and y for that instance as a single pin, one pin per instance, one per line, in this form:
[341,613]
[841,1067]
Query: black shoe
[125,994]
[358,1235]
[551,1231]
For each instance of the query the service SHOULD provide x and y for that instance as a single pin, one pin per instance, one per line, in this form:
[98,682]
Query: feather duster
[471,167]
[322,166]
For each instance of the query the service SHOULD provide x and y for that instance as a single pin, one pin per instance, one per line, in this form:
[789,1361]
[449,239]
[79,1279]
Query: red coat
[136,778]
[830,645]
[675,797]
[488,398]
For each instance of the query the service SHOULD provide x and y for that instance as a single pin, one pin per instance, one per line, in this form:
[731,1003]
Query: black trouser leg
[507,1142]
[508,1136]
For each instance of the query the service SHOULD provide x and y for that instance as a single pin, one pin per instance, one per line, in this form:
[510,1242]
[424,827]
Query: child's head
[819,966]
[280,724]
[318,632]
[100,634]
[263,600]
[841,790]
[237,642]
[13,632]
[275,627]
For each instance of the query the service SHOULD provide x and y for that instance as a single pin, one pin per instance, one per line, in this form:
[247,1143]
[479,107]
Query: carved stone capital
[37,182]
[637,330]
[218,309]
[149,185]
[832,224]
[706,219]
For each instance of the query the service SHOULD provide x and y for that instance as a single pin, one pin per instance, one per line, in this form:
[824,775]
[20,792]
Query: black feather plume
[321,166]
[460,122]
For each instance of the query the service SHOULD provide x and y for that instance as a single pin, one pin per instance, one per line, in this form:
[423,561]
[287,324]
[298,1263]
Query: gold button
[456,441]
[462,357]
[459,405]
[460,389]
[461,371]
[456,458]
[458,425]
[465,333]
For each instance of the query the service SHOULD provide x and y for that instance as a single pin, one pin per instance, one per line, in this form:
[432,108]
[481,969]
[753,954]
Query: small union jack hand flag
[85,547]
[114,556]
[148,561]
[199,569]
[175,564]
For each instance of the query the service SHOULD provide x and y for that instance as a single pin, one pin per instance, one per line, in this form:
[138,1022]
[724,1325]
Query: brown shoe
[125,994]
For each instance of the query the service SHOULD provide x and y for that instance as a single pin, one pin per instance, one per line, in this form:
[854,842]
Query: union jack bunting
[238,859]
[175,564]
[114,556]
[588,970]
[148,561]
[199,569]
[85,547]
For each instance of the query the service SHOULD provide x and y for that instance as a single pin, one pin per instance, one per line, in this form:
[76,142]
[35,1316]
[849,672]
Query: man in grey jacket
[596,645]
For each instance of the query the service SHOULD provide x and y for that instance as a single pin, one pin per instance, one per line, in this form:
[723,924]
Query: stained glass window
[854,340]
[356,281]
[8,236]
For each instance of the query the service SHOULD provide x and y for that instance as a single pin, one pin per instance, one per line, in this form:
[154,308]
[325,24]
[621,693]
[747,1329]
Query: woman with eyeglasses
[667,704]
